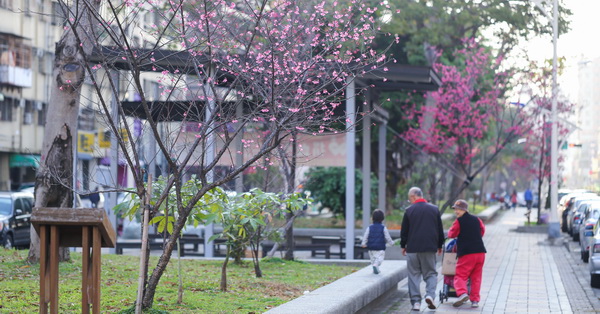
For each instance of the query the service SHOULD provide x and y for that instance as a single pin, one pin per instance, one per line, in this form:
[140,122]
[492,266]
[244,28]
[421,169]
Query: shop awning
[17,160]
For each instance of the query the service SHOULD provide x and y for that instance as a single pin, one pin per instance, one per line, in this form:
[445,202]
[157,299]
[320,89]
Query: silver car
[588,227]
[594,259]
[576,214]
[566,207]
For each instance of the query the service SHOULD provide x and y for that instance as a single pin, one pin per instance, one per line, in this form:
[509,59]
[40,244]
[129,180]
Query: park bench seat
[313,248]
[156,243]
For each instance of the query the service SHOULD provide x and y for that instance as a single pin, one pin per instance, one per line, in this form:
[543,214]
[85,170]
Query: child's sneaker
[375,270]
[474,304]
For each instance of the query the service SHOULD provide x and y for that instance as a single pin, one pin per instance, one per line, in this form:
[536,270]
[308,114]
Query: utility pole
[553,224]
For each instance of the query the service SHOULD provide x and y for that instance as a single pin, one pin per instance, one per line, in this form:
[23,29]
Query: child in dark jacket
[376,238]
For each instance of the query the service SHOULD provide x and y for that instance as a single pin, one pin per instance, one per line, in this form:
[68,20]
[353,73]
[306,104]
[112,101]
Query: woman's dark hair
[378,216]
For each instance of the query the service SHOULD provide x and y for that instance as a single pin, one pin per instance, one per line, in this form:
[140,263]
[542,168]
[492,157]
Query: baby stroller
[448,270]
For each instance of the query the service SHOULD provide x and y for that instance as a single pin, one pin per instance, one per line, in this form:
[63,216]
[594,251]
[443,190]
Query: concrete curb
[348,294]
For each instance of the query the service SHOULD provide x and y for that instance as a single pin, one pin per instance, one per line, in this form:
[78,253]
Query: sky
[581,43]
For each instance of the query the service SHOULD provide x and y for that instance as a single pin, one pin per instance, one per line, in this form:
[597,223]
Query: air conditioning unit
[39,53]
[39,106]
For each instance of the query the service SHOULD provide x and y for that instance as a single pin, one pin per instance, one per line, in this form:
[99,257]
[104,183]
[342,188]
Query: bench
[313,248]
[136,244]
[330,240]
[156,243]
[359,252]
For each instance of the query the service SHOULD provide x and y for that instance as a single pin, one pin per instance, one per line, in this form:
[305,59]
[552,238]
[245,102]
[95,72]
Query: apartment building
[584,167]
[29,30]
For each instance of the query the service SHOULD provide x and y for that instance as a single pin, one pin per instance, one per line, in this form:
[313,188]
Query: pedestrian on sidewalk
[528,199]
[376,238]
[422,234]
[95,198]
[468,231]
[513,200]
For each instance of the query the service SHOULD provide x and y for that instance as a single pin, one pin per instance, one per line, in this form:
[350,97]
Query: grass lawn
[282,281]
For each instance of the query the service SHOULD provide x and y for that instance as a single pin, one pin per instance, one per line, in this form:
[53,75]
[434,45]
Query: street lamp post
[553,226]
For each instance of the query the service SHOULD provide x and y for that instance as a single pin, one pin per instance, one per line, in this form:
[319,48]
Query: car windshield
[580,207]
[5,206]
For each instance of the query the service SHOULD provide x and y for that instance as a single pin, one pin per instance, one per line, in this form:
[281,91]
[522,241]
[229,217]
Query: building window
[42,109]
[6,109]
[15,51]
[58,16]
[27,7]
[6,4]
[86,119]
[41,10]
[28,112]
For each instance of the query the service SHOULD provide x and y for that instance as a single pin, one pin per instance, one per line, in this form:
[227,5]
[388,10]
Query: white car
[588,227]
[576,212]
[594,259]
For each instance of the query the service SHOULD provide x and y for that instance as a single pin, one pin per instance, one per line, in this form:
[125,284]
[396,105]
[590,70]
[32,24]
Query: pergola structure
[393,78]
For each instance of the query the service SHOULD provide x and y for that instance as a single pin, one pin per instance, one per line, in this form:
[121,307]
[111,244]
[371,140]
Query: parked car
[566,205]
[575,213]
[594,260]
[15,219]
[588,227]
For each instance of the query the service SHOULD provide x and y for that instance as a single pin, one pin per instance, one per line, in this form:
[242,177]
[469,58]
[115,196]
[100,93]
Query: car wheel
[585,256]
[8,242]
[595,281]
[576,237]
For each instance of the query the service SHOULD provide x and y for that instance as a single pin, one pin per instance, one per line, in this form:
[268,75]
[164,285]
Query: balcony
[15,61]
[15,76]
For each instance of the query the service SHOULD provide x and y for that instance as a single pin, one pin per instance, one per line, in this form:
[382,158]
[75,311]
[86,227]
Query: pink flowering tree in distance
[206,75]
[535,142]
[471,122]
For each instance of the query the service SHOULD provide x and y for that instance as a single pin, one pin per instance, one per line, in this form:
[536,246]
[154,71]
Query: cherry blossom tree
[536,141]
[471,122]
[220,69]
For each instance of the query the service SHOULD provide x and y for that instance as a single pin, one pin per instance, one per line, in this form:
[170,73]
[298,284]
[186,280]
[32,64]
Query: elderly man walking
[421,236]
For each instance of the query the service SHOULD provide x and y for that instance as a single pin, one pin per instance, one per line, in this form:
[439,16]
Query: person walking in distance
[528,198]
[468,231]
[422,234]
[513,200]
[375,239]
[95,198]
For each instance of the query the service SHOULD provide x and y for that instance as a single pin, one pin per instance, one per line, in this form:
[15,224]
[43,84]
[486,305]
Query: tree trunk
[224,271]
[143,271]
[289,215]
[162,264]
[54,179]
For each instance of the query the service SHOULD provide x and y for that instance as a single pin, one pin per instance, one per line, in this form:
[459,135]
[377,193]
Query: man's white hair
[415,191]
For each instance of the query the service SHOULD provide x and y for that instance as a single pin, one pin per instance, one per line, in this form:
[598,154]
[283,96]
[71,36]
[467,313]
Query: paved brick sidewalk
[523,273]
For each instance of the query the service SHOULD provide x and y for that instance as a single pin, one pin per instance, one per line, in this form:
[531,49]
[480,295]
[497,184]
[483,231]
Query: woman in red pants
[468,231]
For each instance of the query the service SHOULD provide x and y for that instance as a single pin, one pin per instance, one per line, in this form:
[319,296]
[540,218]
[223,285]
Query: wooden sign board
[71,222]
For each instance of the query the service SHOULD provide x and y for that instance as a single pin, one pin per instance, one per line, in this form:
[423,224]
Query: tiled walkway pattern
[523,273]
